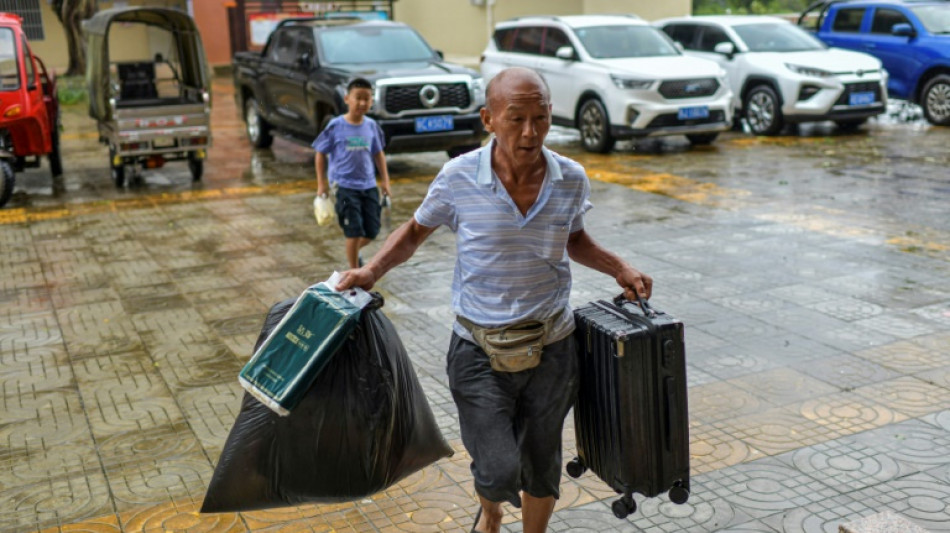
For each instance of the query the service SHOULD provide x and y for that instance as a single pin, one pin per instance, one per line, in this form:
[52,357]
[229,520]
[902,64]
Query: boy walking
[349,151]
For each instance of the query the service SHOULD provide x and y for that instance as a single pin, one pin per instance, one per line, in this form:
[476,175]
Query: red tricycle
[29,109]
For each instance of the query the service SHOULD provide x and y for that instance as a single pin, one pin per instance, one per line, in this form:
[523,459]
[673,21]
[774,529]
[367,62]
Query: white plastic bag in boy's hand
[323,210]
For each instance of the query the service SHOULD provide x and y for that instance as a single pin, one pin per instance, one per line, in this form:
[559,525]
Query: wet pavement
[812,271]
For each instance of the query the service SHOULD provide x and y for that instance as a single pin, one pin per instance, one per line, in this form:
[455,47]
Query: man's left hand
[635,283]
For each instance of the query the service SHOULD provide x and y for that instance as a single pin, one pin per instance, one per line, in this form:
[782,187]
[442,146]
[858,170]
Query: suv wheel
[258,130]
[595,127]
[6,182]
[701,138]
[936,100]
[762,110]
[850,125]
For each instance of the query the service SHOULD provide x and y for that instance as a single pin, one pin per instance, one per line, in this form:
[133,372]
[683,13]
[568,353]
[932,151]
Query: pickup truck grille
[399,98]
[693,88]
[863,87]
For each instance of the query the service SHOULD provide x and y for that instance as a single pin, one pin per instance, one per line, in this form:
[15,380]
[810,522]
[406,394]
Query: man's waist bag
[511,348]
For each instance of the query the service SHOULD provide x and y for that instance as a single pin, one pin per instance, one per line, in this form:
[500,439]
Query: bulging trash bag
[363,425]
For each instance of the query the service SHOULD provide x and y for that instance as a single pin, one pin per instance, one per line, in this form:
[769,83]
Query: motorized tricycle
[29,110]
[149,88]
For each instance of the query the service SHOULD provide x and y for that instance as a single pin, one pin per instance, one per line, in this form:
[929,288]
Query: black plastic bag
[364,424]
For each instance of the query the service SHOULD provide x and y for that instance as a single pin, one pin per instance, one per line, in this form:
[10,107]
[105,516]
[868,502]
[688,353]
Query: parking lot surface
[812,271]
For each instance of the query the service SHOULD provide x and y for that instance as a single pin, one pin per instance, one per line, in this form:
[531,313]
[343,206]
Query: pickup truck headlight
[478,90]
[623,82]
[808,71]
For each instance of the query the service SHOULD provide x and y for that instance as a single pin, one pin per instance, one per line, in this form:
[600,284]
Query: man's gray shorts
[512,422]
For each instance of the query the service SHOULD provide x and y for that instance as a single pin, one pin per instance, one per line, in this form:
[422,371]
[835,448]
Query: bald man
[517,210]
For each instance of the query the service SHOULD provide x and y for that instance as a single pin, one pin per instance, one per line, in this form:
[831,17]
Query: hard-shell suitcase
[630,416]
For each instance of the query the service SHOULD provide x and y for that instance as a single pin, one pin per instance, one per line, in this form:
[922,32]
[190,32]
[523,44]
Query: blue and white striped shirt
[509,267]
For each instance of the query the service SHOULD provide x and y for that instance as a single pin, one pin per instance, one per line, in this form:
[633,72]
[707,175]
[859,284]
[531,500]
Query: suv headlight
[808,71]
[623,82]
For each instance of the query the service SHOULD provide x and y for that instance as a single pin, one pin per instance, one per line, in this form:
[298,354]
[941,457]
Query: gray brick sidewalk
[819,358]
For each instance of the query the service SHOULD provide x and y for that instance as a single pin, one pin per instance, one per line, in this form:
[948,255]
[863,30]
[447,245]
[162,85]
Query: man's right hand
[363,278]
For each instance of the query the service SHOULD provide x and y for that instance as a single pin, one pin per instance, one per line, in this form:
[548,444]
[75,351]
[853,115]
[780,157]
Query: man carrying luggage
[517,210]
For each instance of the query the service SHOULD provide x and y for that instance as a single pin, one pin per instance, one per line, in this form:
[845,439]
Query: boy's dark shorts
[358,212]
[512,422]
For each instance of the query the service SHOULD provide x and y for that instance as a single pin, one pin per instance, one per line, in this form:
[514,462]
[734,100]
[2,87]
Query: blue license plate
[434,123]
[687,113]
[861,98]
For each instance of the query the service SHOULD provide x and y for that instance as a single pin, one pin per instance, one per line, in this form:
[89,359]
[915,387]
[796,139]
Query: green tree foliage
[748,7]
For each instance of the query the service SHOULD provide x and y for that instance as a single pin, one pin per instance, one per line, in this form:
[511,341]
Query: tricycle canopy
[187,41]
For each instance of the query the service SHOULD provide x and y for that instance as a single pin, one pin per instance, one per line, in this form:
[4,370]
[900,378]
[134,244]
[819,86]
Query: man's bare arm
[398,248]
[582,248]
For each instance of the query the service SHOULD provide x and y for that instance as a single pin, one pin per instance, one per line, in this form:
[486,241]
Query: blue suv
[911,38]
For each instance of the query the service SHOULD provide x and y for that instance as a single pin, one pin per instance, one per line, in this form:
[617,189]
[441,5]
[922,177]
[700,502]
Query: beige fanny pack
[512,348]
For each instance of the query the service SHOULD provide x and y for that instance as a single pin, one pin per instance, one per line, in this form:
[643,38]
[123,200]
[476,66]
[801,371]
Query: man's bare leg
[490,521]
[536,512]
[353,247]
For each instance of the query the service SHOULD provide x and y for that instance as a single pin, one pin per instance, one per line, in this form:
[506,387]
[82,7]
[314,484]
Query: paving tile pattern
[818,359]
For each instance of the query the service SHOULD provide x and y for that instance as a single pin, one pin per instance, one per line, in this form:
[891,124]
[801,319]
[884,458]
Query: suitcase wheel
[624,506]
[575,467]
[679,494]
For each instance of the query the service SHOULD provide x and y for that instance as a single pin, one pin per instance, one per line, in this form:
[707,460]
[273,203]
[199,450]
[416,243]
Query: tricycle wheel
[118,170]
[196,166]
[6,182]
[55,159]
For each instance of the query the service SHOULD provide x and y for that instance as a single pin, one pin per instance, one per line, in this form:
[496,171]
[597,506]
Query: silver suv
[615,77]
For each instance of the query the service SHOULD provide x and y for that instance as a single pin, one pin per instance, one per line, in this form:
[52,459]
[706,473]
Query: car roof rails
[525,17]
[323,18]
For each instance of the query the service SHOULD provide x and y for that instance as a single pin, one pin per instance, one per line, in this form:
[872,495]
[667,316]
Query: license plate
[861,98]
[687,113]
[163,142]
[434,123]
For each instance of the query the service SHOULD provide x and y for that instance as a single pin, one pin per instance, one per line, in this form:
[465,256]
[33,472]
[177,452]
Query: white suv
[781,73]
[615,77]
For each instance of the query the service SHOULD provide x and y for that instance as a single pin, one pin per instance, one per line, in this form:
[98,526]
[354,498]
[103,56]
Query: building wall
[134,43]
[211,16]
[459,28]
[462,28]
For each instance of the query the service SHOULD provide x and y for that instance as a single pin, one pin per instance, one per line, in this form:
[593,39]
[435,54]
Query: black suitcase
[630,417]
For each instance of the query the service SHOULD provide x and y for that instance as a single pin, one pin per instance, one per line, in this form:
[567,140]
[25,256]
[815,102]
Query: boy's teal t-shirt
[350,150]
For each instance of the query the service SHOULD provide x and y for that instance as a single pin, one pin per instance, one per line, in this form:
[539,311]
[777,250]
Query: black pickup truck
[296,84]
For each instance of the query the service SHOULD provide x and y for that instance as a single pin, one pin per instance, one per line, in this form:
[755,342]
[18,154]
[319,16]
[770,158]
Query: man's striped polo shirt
[510,267]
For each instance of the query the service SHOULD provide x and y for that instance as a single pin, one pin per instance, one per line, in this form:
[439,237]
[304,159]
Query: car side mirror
[726,49]
[903,29]
[566,53]
[440,54]
[679,46]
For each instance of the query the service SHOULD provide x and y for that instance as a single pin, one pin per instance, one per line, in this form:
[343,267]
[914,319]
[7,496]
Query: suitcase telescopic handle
[644,306]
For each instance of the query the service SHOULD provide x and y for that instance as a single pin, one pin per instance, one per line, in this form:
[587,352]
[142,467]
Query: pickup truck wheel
[595,127]
[6,182]
[762,110]
[936,100]
[258,130]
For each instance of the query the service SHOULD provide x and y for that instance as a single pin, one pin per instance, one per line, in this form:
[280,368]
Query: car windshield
[610,42]
[9,75]
[935,18]
[776,37]
[373,44]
